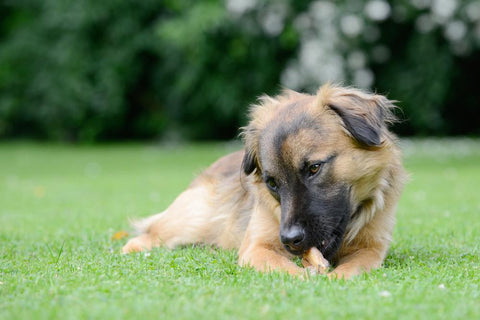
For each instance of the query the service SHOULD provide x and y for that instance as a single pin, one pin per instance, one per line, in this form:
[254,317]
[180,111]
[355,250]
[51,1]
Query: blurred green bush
[123,69]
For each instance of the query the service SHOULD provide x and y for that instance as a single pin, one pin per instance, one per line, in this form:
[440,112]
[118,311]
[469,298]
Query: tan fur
[227,208]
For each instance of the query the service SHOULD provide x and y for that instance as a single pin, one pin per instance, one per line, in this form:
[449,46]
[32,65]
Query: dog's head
[317,160]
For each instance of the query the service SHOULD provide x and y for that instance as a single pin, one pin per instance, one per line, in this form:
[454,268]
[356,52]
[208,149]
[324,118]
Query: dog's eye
[314,168]
[271,184]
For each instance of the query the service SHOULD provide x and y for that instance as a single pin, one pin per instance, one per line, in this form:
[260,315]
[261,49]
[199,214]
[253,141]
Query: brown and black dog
[317,171]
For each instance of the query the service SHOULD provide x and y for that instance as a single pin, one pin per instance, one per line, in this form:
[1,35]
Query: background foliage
[101,70]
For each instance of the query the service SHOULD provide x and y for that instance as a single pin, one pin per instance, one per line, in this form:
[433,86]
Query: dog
[317,171]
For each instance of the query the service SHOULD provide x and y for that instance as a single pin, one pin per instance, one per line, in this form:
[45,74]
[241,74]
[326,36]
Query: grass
[60,205]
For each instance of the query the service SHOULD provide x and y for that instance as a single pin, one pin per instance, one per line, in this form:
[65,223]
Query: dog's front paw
[346,273]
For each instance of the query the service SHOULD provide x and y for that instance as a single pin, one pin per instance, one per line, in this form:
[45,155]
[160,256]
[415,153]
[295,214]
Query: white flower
[378,10]
[385,294]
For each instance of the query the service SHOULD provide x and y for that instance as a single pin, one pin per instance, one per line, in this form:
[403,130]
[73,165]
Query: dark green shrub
[102,70]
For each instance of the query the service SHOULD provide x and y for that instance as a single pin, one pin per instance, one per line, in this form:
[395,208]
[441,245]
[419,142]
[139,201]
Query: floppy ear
[362,130]
[251,133]
[364,115]
[249,163]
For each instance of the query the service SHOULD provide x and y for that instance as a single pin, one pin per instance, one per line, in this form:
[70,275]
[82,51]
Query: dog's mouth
[329,246]
[326,241]
[296,252]
[326,246]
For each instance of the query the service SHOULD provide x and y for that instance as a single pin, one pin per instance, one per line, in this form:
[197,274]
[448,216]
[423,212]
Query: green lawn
[60,205]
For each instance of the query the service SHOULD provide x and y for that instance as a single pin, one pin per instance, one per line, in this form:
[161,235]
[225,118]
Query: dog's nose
[293,237]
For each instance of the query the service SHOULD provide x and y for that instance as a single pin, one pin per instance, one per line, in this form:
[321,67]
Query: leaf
[119,235]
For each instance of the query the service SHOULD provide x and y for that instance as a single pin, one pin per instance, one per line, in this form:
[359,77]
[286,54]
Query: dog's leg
[266,259]
[143,242]
[365,252]
[189,219]
[369,248]
[261,247]
[358,262]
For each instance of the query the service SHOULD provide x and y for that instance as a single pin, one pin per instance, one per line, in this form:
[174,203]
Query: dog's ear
[363,130]
[249,163]
[250,134]
[365,116]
